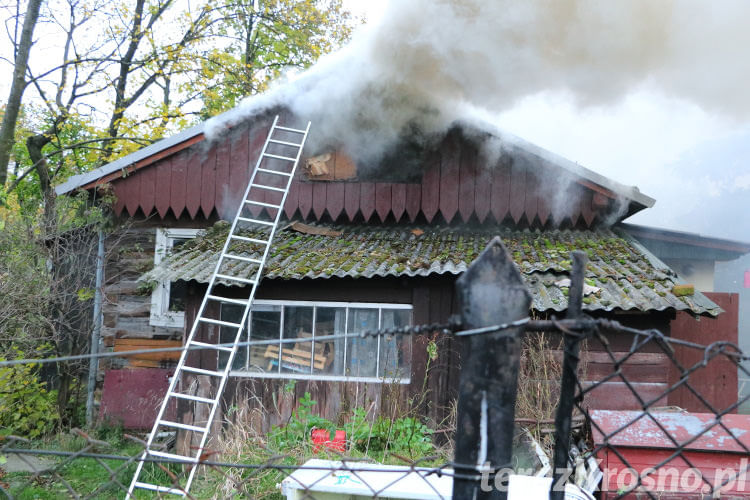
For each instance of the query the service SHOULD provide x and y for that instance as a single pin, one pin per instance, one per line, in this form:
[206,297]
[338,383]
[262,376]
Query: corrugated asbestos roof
[626,275]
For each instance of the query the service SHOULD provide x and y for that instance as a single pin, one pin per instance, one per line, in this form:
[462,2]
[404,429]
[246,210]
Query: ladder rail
[174,380]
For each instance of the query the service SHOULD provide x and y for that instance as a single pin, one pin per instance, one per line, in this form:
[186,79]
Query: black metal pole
[568,379]
[490,292]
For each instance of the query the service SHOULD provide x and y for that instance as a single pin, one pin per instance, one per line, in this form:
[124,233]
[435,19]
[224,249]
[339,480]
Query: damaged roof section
[620,273]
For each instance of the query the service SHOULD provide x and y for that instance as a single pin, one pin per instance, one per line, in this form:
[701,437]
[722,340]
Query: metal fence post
[490,292]
[568,379]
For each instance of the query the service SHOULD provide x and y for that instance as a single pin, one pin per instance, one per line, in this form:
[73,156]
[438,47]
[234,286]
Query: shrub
[402,436]
[27,408]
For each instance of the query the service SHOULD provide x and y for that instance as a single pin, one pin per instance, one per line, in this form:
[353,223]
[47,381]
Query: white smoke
[427,63]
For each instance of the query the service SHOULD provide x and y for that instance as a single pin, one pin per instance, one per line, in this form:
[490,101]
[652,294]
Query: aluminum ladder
[270,170]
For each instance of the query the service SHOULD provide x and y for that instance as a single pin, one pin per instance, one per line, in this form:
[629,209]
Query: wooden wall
[454,184]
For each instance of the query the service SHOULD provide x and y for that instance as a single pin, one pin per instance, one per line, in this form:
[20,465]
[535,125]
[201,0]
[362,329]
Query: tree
[18,85]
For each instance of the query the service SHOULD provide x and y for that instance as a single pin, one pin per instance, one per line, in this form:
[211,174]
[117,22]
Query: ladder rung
[178,425]
[171,456]
[260,203]
[235,278]
[201,371]
[255,221]
[251,240]
[227,300]
[261,186]
[279,127]
[160,489]
[191,398]
[244,259]
[211,346]
[285,143]
[273,172]
[219,322]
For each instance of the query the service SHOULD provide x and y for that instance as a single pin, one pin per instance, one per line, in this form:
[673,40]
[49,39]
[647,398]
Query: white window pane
[395,350]
[297,357]
[362,353]
[329,354]
[265,324]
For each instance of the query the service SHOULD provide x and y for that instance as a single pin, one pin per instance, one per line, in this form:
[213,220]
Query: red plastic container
[321,438]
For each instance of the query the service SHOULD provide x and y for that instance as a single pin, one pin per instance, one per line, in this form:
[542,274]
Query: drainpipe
[95,335]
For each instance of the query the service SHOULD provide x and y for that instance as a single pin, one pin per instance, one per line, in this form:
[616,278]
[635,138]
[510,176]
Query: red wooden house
[370,246]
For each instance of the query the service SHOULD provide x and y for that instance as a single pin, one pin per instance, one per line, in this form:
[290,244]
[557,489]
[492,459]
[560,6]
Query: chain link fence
[652,452]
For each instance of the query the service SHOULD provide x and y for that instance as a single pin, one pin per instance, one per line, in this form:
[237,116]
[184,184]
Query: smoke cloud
[427,63]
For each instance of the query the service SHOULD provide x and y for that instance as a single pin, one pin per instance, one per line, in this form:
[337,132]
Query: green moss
[590,282]
[588,300]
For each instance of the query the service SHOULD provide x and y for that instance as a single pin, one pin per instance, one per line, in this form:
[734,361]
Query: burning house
[366,245]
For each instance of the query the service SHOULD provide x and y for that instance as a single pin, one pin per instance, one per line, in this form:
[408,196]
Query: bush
[405,436]
[27,408]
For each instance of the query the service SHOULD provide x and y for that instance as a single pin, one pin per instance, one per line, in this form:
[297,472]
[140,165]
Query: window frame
[160,314]
[331,378]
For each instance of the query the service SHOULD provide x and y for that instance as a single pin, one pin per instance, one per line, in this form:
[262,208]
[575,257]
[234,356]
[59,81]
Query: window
[317,340]
[168,298]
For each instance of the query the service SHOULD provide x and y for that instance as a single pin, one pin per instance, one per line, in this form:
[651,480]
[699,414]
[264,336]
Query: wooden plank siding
[457,184]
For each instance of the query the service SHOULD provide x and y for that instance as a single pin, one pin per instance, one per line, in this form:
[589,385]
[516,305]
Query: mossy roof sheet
[627,276]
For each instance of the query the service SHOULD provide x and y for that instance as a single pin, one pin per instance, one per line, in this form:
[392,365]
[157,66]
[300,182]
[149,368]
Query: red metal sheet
[147,194]
[681,426]
[500,189]
[398,200]
[449,178]
[163,179]
[208,181]
[383,199]
[413,200]
[466,183]
[133,396]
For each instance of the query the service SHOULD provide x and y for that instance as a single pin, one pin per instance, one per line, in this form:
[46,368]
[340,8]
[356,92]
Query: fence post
[568,379]
[490,292]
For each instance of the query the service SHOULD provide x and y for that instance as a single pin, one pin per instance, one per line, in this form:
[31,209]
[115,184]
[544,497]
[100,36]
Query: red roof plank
[238,169]
[466,183]
[367,199]
[319,201]
[222,181]
[413,200]
[178,185]
[130,187]
[305,198]
[292,199]
[398,200]
[449,177]
[500,188]
[193,191]
[208,181]
[147,195]
[531,204]
[431,187]
[482,190]
[351,199]
[383,199]
[163,179]
[517,190]
[335,199]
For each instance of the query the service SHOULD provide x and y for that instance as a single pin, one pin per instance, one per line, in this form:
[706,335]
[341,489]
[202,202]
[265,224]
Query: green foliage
[27,408]
[404,436]
[297,430]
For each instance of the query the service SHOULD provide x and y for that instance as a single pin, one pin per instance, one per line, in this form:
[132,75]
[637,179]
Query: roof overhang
[679,244]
